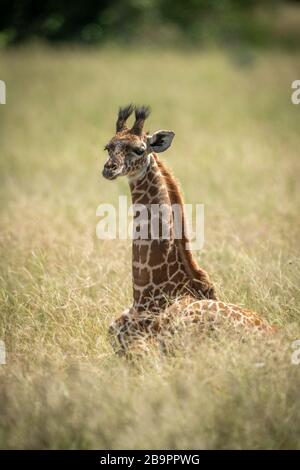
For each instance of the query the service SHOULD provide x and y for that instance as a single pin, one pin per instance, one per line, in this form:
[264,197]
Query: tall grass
[237,151]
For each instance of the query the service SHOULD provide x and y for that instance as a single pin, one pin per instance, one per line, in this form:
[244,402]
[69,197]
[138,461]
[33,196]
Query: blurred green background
[192,22]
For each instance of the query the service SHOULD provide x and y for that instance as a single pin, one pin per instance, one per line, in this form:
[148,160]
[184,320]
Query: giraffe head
[129,149]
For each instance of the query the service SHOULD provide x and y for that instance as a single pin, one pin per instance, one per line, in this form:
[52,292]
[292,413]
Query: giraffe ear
[160,140]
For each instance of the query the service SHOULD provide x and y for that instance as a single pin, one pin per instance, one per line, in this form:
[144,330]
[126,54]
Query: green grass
[237,151]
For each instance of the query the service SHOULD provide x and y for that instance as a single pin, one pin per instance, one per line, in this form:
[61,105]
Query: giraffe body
[169,288]
[134,332]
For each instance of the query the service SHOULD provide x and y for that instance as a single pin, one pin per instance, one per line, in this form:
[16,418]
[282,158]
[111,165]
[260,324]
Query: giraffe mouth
[110,175]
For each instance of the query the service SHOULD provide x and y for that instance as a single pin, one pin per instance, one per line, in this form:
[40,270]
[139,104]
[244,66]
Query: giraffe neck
[162,267]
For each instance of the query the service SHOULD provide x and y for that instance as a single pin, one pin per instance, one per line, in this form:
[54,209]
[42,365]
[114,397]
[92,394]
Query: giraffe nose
[113,166]
[109,170]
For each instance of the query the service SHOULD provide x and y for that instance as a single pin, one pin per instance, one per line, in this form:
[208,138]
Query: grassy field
[237,151]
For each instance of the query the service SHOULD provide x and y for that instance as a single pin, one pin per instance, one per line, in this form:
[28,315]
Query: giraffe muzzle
[108,174]
[111,171]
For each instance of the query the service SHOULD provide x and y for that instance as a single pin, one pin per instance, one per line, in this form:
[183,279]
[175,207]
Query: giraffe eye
[109,147]
[139,150]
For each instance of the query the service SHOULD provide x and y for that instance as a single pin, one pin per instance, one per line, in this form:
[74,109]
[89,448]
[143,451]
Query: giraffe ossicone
[167,281]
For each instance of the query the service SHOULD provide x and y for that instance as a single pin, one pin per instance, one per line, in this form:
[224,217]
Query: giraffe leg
[125,332]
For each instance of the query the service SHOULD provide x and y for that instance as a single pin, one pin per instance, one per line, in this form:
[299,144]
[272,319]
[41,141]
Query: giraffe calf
[162,267]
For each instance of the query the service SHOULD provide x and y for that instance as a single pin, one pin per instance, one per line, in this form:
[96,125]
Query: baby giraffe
[167,282]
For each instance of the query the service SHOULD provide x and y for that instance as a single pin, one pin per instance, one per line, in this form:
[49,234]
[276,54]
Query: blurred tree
[94,21]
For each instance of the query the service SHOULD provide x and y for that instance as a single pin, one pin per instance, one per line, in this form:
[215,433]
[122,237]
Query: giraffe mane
[198,276]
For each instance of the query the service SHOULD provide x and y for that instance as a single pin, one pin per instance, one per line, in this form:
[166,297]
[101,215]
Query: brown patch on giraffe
[155,179]
[150,176]
[160,275]
[158,250]
[153,190]
[142,187]
[178,277]
[169,288]
[141,276]
[213,307]
[140,252]
[144,199]
[234,314]
[221,305]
